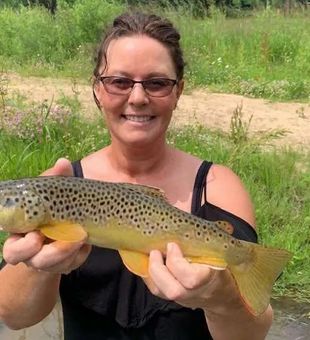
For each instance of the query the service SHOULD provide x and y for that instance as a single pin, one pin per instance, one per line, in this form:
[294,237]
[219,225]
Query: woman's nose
[138,96]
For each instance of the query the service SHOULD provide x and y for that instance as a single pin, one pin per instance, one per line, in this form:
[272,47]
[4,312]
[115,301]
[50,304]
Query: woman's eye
[122,83]
[156,83]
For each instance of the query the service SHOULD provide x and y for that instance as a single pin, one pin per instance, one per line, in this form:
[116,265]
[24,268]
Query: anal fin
[135,262]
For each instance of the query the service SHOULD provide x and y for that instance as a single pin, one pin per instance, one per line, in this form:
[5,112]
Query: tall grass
[278,179]
[264,55]
[261,56]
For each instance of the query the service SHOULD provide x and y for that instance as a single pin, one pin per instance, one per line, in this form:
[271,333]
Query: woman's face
[138,119]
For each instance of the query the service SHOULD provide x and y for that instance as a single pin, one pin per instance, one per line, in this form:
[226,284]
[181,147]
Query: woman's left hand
[189,284]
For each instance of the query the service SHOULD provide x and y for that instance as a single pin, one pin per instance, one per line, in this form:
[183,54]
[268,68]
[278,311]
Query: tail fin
[255,279]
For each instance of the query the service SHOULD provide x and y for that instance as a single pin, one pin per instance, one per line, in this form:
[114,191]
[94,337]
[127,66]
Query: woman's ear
[96,85]
[180,88]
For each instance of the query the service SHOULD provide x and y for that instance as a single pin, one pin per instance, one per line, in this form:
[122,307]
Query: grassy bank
[263,55]
[33,137]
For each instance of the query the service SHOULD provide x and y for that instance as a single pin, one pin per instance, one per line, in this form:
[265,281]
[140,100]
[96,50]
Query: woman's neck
[139,162]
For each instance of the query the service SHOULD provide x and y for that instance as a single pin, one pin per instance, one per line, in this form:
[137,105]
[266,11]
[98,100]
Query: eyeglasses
[154,87]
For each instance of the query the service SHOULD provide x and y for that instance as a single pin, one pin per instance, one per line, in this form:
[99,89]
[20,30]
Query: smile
[135,118]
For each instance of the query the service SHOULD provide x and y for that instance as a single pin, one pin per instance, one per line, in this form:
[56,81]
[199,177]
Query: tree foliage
[198,8]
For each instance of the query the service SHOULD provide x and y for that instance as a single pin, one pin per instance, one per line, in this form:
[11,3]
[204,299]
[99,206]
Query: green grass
[262,55]
[278,179]
[266,55]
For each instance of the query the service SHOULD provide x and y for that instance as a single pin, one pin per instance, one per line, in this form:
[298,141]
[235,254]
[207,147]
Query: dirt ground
[211,109]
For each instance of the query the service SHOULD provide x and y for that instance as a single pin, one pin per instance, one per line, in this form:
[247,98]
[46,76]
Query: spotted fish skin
[95,203]
[136,219]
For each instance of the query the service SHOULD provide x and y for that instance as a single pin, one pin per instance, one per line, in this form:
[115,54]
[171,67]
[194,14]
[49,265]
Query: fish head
[21,208]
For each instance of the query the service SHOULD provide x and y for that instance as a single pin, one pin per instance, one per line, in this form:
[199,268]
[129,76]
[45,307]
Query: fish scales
[79,200]
[87,201]
[135,219]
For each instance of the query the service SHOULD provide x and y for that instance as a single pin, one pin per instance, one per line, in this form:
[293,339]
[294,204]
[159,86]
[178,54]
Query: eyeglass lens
[156,87]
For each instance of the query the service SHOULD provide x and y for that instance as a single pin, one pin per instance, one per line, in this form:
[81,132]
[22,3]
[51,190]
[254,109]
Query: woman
[138,80]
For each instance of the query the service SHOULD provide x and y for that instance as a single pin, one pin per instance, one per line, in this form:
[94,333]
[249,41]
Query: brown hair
[153,26]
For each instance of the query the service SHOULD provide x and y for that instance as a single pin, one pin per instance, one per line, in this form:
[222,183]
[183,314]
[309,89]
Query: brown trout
[135,219]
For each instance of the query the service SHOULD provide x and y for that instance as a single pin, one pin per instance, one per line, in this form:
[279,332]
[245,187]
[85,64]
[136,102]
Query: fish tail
[256,277]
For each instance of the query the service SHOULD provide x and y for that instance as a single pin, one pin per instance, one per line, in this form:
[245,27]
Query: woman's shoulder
[226,190]
[185,159]
[95,164]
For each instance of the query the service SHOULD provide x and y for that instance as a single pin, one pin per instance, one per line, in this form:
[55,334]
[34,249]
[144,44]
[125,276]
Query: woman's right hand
[40,253]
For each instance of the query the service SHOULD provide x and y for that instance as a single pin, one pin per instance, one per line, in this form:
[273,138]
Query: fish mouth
[138,118]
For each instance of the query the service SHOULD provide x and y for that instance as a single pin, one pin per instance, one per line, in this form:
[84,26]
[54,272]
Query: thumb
[62,167]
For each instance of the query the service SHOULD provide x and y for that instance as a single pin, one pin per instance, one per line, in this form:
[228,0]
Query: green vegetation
[34,136]
[264,54]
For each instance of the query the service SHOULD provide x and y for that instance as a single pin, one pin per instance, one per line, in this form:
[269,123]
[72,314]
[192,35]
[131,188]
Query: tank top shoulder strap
[200,185]
[77,169]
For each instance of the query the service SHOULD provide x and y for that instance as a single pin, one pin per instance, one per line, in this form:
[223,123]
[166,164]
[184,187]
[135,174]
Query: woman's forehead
[139,54]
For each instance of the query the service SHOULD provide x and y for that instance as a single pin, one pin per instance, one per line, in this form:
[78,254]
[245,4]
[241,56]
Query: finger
[190,275]
[80,258]
[53,254]
[155,256]
[152,287]
[62,167]
[72,262]
[19,248]
[162,278]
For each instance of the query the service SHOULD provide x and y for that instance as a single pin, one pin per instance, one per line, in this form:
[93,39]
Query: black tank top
[103,300]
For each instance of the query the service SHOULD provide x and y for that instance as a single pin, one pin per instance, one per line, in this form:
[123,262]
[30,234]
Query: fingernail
[169,247]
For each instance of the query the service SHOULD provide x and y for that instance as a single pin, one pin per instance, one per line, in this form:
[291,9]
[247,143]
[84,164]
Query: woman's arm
[199,286]
[26,295]
[30,279]
[232,320]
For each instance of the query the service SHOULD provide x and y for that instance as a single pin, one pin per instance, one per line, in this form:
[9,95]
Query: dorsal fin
[146,189]
[225,226]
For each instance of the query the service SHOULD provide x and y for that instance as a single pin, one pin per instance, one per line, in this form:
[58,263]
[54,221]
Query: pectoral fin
[135,262]
[64,231]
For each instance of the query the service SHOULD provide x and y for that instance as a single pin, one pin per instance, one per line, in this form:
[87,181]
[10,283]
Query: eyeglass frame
[134,82]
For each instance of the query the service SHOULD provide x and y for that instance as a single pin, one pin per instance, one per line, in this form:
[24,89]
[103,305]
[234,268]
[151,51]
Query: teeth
[138,118]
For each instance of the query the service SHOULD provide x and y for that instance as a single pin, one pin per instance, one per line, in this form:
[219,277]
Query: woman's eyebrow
[147,76]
